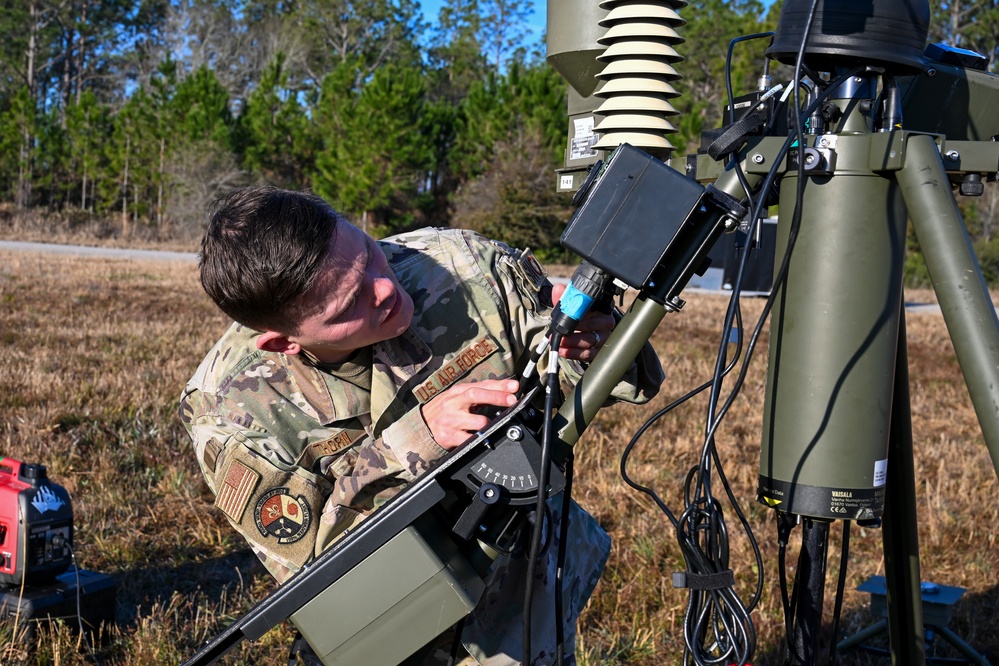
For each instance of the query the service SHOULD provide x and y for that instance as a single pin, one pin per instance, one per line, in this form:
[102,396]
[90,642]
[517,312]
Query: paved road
[108,252]
[160,255]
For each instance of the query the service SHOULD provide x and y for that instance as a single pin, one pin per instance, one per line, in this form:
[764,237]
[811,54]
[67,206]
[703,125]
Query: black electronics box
[57,600]
[635,213]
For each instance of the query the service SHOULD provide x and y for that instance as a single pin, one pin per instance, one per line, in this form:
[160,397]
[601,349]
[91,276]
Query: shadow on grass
[973,621]
[229,575]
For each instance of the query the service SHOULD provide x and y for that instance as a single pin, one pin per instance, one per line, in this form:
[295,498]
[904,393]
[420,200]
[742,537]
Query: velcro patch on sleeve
[456,368]
[531,269]
[282,515]
[332,445]
[212,450]
[235,490]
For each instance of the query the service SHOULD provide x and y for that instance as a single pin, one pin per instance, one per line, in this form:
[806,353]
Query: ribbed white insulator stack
[637,77]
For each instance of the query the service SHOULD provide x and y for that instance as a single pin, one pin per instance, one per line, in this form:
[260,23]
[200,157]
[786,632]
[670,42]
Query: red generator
[36,525]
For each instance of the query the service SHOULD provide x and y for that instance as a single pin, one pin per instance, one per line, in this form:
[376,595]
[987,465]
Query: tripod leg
[858,638]
[957,280]
[901,541]
[962,647]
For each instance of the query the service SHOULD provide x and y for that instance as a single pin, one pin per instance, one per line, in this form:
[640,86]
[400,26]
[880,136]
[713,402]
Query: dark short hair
[262,251]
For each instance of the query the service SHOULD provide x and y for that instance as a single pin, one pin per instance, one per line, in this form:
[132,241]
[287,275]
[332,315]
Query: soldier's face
[358,300]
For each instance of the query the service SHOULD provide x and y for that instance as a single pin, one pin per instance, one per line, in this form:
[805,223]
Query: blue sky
[537,23]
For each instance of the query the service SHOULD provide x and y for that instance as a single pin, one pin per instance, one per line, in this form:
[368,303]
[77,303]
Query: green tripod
[837,435]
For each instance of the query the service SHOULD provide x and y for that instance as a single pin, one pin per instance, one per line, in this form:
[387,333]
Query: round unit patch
[279,514]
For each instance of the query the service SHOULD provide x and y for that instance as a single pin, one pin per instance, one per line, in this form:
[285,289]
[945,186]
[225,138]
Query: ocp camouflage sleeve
[525,291]
[296,457]
[288,483]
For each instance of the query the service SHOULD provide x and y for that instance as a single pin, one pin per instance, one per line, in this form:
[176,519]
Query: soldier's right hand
[451,416]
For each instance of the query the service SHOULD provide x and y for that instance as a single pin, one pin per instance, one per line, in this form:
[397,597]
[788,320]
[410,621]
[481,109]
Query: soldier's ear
[272,341]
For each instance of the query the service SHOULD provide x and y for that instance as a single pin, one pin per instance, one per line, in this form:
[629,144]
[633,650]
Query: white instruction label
[880,472]
[583,139]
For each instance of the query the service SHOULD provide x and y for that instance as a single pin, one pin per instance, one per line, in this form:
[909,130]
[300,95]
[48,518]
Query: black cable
[793,606]
[734,311]
[785,523]
[456,642]
[694,632]
[297,645]
[719,612]
[781,276]
[800,64]
[780,106]
[634,440]
[732,634]
[717,626]
[563,538]
[551,390]
[844,556]
[728,69]
[703,516]
[79,604]
[757,210]
[652,420]
[709,452]
[734,163]
[747,528]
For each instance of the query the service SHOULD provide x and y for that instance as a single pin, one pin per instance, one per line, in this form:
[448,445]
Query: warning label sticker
[583,139]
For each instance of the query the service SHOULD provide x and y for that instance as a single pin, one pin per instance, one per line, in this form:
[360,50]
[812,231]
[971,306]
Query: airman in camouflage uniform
[298,450]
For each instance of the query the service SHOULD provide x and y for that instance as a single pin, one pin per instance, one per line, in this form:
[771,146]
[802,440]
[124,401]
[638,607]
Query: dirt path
[108,252]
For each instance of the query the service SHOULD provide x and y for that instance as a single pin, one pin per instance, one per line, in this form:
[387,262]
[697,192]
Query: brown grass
[77,227]
[94,353]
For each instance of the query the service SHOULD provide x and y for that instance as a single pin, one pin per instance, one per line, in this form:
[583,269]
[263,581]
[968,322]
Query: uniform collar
[393,363]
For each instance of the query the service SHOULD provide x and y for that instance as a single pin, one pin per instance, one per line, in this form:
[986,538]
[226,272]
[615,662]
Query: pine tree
[376,153]
[455,53]
[711,25]
[272,133]
[527,98]
[86,127]
[502,29]
[20,120]
[369,34]
[200,107]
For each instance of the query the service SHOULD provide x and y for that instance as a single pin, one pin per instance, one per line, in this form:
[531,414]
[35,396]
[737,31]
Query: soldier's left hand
[591,332]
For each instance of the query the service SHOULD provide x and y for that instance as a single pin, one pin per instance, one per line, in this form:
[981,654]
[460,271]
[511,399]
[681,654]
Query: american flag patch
[235,489]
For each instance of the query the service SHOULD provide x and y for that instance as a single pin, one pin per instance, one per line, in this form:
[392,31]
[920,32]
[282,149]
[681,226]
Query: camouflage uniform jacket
[296,455]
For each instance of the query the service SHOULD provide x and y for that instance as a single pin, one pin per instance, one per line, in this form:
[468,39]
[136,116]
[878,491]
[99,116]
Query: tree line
[143,111]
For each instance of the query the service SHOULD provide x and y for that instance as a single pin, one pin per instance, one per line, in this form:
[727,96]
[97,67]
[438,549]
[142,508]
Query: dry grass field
[93,355]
